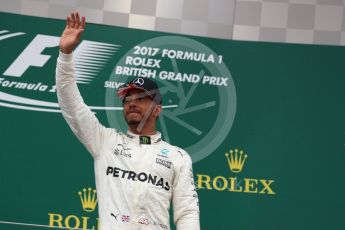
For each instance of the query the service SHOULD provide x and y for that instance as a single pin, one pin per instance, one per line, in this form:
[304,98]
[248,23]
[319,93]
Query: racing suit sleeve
[79,117]
[185,198]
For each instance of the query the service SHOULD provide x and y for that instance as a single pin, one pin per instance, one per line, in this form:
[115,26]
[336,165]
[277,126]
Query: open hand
[71,35]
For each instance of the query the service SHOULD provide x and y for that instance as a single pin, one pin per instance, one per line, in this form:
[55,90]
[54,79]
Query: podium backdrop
[263,122]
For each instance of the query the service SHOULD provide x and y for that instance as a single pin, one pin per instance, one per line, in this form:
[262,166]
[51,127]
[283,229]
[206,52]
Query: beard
[132,122]
[133,118]
[136,118]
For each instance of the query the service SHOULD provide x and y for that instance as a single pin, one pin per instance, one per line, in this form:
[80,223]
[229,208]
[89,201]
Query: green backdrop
[281,105]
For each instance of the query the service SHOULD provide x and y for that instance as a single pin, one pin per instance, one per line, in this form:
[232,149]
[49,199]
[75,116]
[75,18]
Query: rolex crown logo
[88,199]
[236,160]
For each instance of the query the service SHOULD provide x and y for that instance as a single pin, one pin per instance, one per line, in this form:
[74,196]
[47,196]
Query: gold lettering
[233,185]
[52,220]
[267,187]
[223,183]
[249,185]
[203,180]
[57,220]
[85,222]
[76,219]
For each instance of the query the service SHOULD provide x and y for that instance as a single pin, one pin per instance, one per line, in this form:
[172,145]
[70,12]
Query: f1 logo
[32,55]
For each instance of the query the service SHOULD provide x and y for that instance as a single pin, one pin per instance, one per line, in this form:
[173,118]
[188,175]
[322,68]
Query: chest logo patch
[122,150]
[163,162]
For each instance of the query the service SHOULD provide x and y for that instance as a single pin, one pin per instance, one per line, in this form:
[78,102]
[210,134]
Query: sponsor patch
[141,177]
[145,140]
[163,153]
[163,162]
[125,218]
[122,150]
[143,221]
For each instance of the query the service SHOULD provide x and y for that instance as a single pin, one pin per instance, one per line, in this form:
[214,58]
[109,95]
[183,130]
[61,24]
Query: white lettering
[212,80]
[32,56]
[21,85]
[144,62]
[183,77]
[188,55]
[135,72]
[112,84]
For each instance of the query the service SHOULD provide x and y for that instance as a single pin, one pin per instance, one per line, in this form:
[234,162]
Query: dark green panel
[283,106]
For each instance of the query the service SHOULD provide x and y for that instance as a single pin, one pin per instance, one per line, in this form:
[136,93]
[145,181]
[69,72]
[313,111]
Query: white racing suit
[135,182]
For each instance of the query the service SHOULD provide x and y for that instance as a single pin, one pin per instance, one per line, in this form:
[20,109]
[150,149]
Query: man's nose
[132,102]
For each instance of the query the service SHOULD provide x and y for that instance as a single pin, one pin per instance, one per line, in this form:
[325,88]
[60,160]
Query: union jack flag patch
[125,218]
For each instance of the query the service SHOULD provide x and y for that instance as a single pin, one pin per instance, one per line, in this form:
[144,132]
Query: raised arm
[71,35]
[79,117]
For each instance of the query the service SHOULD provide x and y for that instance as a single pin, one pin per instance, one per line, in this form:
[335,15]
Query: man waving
[137,174]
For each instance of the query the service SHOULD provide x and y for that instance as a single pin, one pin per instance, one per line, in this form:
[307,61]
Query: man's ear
[157,110]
